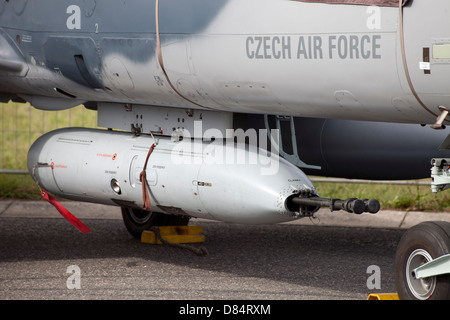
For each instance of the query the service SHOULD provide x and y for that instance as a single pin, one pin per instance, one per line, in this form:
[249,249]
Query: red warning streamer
[143,179]
[65,213]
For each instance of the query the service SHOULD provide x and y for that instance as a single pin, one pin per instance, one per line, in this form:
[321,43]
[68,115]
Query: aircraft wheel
[420,244]
[136,220]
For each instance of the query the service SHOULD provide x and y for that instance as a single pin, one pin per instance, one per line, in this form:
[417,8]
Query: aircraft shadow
[292,254]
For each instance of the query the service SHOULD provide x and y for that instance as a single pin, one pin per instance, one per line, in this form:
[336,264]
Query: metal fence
[21,125]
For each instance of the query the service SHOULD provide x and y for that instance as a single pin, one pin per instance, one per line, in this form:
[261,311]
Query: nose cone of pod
[252,192]
[36,159]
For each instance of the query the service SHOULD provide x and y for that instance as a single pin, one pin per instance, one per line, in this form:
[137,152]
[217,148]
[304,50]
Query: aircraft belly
[256,56]
[251,79]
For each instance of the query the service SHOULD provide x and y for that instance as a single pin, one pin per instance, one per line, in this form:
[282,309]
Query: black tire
[420,244]
[136,220]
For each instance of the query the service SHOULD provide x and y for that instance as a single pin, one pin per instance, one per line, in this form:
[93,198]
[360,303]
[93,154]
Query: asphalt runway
[292,261]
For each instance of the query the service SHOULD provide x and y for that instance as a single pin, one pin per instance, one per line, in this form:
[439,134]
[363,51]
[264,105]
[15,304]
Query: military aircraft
[168,77]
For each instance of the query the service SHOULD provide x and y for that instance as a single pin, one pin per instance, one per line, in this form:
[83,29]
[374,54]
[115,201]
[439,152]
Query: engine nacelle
[206,179]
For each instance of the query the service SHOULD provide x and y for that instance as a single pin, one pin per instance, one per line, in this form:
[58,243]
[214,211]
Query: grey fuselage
[253,56]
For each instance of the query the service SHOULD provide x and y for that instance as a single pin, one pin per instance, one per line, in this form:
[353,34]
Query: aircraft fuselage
[255,56]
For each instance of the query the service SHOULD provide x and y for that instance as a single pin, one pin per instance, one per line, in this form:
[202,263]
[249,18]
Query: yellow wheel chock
[383,296]
[173,234]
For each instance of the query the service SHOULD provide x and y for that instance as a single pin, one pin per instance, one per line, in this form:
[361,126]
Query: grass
[21,124]
[18,186]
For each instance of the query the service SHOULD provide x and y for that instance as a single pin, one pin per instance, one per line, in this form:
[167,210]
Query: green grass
[18,186]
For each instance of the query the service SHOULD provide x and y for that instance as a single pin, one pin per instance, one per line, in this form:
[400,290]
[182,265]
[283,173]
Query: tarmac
[324,217]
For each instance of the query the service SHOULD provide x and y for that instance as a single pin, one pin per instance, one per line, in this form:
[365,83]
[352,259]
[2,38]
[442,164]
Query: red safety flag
[65,213]
[143,179]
